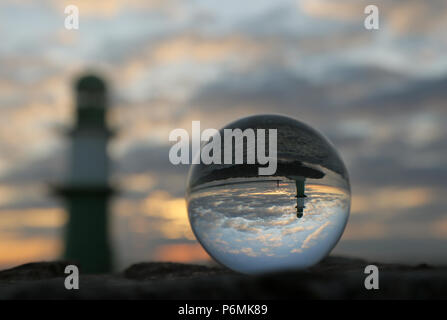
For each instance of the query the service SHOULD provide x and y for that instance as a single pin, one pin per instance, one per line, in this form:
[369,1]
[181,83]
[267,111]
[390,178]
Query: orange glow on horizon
[181,253]
[16,250]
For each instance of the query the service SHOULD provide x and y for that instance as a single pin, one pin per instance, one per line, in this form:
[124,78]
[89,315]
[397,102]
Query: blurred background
[379,96]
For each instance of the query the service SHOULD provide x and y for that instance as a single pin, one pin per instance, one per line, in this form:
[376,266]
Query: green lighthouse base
[86,234]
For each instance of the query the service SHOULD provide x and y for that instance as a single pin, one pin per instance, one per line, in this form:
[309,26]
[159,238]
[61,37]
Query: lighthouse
[86,190]
[300,196]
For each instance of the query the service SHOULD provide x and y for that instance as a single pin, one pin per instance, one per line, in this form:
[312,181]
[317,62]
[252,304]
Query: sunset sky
[379,96]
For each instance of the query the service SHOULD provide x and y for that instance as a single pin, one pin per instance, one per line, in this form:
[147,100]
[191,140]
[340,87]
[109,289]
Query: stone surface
[334,278]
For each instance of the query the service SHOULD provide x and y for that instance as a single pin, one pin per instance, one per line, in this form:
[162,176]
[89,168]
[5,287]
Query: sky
[379,95]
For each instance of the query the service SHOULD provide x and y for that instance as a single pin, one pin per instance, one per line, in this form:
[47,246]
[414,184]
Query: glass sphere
[291,219]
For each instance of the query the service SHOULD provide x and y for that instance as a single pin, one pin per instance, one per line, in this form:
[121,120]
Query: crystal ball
[290,219]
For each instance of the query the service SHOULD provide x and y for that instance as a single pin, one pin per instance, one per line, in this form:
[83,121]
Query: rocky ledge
[333,278]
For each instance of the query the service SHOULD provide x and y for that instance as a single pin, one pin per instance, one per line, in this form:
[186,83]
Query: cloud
[112,8]
[412,250]
[401,16]
[388,199]
[359,230]
[341,10]
[314,235]
[172,211]
[295,229]
[40,170]
[32,218]
[280,89]
[264,90]
[439,228]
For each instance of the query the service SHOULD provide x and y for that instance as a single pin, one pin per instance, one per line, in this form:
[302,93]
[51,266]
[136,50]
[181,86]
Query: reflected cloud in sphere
[289,220]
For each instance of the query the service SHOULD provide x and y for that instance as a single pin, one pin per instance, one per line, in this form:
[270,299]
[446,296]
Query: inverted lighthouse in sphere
[87,191]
